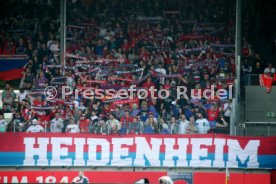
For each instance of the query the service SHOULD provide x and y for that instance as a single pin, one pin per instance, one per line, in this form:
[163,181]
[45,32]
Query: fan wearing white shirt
[3,124]
[22,94]
[72,127]
[202,124]
[269,70]
[35,127]
[227,108]
[56,124]
[183,124]
[161,70]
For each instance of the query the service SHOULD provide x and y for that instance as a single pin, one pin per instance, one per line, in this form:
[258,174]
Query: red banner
[70,176]
[235,178]
[127,177]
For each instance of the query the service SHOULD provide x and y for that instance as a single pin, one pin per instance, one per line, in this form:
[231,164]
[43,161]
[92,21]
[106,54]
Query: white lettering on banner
[143,150]
[59,151]
[119,152]
[170,152]
[198,152]
[92,152]
[247,155]
[14,179]
[51,179]
[147,152]
[79,157]
[219,145]
[40,151]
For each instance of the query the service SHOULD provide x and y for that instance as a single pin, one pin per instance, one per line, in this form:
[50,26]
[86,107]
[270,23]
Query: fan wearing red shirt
[126,120]
[126,46]
[149,84]
[39,102]
[144,54]
[84,124]
[44,119]
[212,115]
[27,112]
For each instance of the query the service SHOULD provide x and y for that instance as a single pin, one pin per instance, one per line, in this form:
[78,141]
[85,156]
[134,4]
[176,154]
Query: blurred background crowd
[115,44]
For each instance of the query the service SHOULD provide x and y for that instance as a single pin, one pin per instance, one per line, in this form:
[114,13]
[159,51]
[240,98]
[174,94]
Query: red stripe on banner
[125,177]
[11,74]
[70,176]
[235,178]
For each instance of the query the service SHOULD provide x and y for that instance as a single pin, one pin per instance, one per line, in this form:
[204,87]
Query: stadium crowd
[113,45]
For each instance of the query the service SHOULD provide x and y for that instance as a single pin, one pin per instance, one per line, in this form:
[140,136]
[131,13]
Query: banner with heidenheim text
[48,149]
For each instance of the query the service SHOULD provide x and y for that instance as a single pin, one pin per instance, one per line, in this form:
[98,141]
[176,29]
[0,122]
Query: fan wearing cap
[35,127]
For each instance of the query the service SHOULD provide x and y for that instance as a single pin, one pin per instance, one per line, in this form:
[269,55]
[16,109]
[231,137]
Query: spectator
[18,124]
[8,96]
[4,109]
[191,128]
[227,109]
[3,124]
[8,100]
[164,128]
[102,127]
[72,127]
[57,124]
[22,94]
[259,64]
[212,114]
[27,79]
[269,70]
[221,125]
[125,121]
[137,126]
[41,79]
[34,127]
[202,124]
[246,68]
[183,124]
[82,178]
[114,124]
[84,123]
[173,126]
[151,127]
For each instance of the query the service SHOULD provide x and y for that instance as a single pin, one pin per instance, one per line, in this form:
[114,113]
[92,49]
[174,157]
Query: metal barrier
[269,128]
[250,80]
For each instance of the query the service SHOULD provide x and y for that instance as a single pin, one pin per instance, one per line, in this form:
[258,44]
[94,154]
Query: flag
[227,175]
[12,66]
[266,80]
